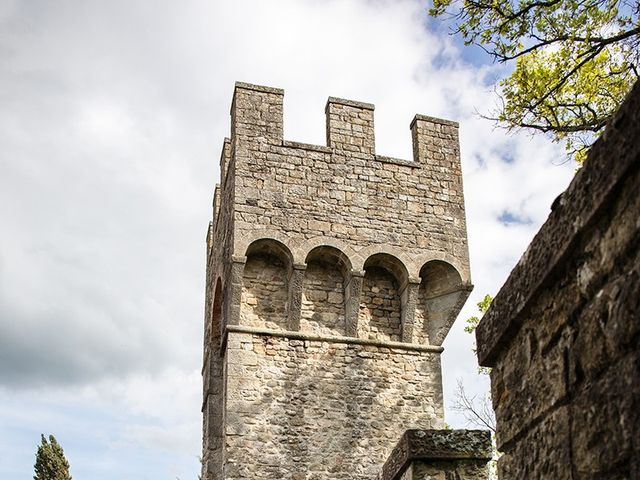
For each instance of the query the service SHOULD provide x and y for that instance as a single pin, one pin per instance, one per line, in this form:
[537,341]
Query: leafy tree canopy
[574,60]
[51,463]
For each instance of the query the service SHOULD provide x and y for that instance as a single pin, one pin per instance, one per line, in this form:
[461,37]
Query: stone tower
[333,277]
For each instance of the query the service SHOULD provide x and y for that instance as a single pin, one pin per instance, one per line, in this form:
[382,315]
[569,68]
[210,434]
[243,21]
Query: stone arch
[265,284]
[323,292]
[364,254]
[304,248]
[440,297]
[248,239]
[461,265]
[380,315]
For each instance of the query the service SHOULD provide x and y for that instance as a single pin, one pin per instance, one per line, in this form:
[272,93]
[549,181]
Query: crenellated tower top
[257,113]
[344,190]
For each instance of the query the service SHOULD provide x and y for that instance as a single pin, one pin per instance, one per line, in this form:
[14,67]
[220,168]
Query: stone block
[605,417]
[527,383]
[543,452]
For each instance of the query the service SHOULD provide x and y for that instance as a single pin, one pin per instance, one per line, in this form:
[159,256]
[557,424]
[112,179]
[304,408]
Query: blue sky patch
[510,218]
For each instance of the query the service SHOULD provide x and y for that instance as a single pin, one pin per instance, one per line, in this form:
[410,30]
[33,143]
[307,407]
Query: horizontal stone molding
[312,337]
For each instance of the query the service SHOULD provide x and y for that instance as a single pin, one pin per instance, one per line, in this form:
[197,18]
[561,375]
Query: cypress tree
[51,463]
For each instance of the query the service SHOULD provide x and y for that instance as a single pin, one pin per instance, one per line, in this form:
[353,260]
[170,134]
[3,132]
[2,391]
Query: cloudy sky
[112,115]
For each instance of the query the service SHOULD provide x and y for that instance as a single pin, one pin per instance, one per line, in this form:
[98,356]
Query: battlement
[257,115]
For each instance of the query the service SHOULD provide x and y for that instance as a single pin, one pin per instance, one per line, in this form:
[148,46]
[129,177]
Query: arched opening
[323,295]
[265,285]
[213,381]
[216,315]
[438,296]
[380,315]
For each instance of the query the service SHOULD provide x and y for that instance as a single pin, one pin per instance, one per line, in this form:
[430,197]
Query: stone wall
[300,408]
[380,306]
[319,261]
[323,299]
[439,455]
[563,333]
[264,292]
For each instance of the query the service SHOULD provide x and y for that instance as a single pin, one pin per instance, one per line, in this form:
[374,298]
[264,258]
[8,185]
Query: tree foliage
[574,59]
[472,324]
[51,463]
[483,306]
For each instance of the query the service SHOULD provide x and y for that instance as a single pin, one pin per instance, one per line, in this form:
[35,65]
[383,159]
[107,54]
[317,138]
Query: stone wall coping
[436,445]
[572,213]
[313,337]
[258,88]
[306,146]
[397,161]
[427,118]
[350,103]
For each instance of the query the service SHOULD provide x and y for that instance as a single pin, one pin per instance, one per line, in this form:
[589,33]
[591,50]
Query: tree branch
[479,415]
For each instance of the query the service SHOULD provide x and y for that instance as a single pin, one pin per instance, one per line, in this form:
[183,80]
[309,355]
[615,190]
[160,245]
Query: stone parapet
[439,454]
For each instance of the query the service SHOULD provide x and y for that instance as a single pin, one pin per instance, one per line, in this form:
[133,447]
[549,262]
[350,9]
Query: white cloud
[108,426]
[112,121]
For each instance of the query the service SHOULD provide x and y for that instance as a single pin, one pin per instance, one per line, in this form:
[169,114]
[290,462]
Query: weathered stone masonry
[333,277]
[563,334]
[439,455]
